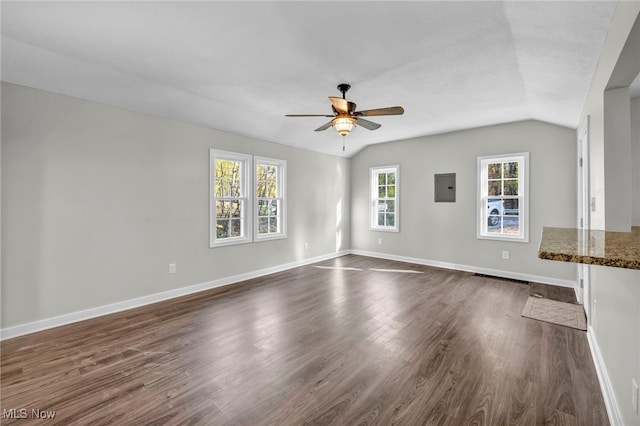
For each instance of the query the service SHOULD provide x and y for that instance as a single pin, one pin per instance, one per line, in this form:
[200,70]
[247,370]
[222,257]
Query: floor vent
[513,280]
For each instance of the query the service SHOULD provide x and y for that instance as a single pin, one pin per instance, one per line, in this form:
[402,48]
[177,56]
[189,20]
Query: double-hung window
[230,199]
[270,178]
[247,198]
[503,197]
[384,198]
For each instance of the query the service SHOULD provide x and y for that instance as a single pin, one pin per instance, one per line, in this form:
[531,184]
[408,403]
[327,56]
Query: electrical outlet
[505,254]
[172,268]
[634,395]
[379,241]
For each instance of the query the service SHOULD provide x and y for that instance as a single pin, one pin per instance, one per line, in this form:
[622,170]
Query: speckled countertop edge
[593,247]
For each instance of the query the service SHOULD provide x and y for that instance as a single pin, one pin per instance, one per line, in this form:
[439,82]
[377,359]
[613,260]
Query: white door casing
[583,211]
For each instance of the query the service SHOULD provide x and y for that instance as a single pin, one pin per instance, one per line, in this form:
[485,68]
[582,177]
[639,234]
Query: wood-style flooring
[350,341]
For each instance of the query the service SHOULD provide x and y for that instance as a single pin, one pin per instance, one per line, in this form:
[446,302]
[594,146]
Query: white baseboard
[613,411]
[578,291]
[468,268]
[32,327]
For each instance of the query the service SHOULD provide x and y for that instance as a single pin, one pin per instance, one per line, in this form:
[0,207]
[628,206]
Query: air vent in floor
[503,279]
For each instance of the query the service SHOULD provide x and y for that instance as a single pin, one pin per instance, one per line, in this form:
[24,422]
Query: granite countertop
[604,248]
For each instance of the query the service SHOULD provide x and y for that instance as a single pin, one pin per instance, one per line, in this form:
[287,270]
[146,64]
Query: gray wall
[446,232]
[615,322]
[617,159]
[97,201]
[615,293]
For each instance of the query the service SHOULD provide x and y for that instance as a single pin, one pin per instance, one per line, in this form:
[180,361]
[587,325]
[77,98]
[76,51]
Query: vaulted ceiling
[241,66]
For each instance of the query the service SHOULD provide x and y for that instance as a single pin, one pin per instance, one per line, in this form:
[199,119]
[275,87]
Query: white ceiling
[241,66]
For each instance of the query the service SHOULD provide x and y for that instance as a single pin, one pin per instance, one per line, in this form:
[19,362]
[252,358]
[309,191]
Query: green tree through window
[384,199]
[267,193]
[229,203]
[247,198]
[270,198]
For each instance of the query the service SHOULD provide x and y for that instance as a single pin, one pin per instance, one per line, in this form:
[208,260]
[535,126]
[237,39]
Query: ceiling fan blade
[340,105]
[308,115]
[396,110]
[367,124]
[324,126]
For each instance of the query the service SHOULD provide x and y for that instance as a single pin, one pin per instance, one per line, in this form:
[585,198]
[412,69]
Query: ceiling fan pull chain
[343,136]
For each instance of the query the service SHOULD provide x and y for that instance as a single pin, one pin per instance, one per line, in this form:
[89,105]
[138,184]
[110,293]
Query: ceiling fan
[345,116]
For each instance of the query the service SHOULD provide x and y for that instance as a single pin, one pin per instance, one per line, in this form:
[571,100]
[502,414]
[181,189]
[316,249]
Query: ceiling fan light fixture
[344,125]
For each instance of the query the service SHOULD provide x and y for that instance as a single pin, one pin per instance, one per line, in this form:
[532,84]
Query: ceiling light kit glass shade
[344,125]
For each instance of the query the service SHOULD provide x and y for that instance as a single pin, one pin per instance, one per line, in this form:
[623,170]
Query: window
[503,197]
[237,216]
[384,198]
[270,181]
[230,203]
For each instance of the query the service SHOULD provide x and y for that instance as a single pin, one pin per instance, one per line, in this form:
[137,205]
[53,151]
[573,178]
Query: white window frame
[373,207]
[281,199]
[246,198]
[523,197]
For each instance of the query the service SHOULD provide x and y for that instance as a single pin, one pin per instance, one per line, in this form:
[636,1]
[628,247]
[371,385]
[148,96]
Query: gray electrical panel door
[445,188]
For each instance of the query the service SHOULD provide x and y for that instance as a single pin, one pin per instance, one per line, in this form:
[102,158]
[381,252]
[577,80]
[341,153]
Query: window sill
[385,229]
[503,238]
[270,237]
[228,242]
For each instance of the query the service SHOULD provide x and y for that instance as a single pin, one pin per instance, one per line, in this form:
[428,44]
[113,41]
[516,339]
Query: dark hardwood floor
[351,341]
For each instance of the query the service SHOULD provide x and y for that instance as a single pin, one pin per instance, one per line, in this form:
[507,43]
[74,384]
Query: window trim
[282,190]
[246,188]
[482,196]
[373,191]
